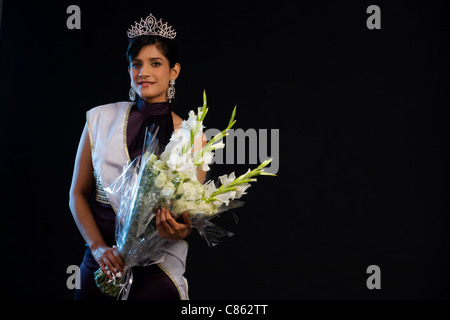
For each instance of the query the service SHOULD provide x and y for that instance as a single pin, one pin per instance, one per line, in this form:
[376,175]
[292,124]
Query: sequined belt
[100,194]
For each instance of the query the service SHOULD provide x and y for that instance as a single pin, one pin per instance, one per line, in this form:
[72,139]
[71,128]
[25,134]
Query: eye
[136,65]
[156,64]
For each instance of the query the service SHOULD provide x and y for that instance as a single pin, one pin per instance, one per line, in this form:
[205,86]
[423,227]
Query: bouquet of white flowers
[170,181]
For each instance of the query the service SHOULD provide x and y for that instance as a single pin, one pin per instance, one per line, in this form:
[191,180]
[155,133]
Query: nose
[144,72]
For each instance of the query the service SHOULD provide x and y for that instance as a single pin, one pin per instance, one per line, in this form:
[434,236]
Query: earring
[171,91]
[132,94]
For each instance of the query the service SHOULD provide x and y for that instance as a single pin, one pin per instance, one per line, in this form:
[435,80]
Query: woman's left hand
[169,228]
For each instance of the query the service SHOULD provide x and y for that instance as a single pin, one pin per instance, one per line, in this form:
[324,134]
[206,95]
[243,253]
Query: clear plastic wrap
[137,238]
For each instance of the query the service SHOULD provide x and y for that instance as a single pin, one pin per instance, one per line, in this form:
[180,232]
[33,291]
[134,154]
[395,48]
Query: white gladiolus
[226,197]
[219,145]
[225,179]
[207,159]
[192,124]
[240,189]
[209,188]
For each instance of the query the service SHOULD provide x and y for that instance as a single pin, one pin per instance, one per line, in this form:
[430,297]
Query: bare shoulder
[176,121]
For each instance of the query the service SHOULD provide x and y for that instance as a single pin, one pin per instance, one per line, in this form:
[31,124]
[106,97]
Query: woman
[114,135]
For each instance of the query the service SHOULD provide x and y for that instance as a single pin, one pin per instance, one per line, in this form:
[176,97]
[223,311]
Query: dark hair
[168,47]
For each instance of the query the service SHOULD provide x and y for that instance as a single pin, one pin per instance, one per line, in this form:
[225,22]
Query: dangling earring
[132,94]
[171,91]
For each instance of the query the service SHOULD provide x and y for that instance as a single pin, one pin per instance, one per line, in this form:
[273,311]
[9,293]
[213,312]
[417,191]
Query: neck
[153,108]
[153,100]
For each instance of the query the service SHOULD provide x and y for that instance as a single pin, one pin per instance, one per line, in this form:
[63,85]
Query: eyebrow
[151,59]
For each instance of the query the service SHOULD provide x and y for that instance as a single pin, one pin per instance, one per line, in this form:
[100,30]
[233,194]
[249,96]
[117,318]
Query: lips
[145,84]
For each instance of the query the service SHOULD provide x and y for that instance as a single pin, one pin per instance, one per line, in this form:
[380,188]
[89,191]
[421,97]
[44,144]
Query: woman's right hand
[109,260]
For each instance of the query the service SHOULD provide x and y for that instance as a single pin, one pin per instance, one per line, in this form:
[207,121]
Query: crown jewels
[150,26]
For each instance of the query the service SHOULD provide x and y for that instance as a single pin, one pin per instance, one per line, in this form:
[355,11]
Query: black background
[362,114]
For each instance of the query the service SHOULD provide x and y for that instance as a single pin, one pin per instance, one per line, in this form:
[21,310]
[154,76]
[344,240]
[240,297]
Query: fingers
[159,227]
[169,228]
[106,266]
[120,263]
[169,222]
[115,259]
[187,219]
[111,263]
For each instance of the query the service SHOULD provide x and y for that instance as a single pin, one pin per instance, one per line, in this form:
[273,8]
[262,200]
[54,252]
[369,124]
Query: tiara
[150,26]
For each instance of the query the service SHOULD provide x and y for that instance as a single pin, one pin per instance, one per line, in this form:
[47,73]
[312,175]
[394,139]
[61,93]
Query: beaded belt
[100,195]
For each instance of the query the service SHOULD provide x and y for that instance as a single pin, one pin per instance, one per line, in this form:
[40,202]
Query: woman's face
[150,74]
